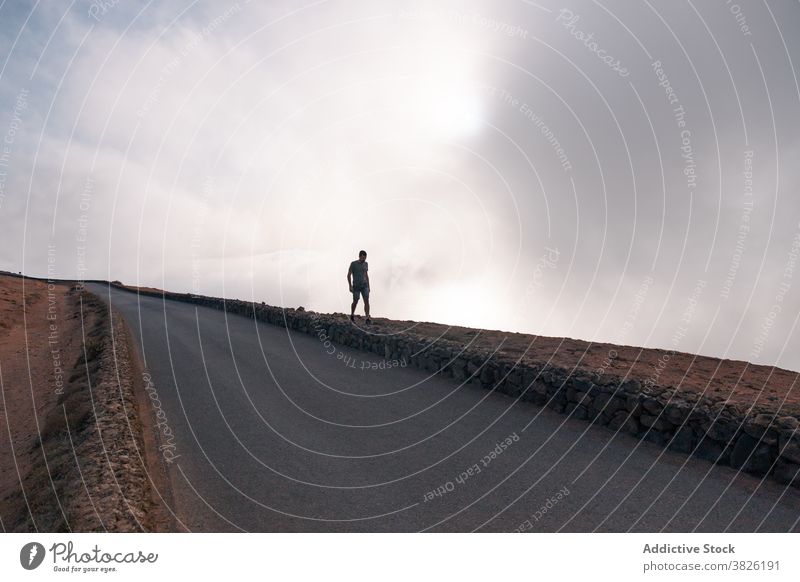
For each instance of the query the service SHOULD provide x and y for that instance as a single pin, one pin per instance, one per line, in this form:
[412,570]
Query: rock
[762,460]
[528,377]
[572,392]
[632,386]
[760,428]
[487,375]
[608,403]
[459,370]
[623,421]
[749,455]
[788,422]
[677,411]
[652,406]
[765,419]
[633,404]
[540,387]
[655,422]
[560,378]
[582,398]
[720,430]
[607,380]
[789,446]
[580,412]
[616,421]
[700,413]
[504,387]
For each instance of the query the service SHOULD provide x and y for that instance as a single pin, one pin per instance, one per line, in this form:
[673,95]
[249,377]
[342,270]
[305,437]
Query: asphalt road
[274,433]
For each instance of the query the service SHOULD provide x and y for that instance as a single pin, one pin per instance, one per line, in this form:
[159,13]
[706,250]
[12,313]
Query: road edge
[161,517]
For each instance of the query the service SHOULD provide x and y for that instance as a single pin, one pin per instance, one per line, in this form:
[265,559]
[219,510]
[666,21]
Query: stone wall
[765,444]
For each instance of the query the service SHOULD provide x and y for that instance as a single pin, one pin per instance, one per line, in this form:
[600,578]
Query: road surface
[275,431]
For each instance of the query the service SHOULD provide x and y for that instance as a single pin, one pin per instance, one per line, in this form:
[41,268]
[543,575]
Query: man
[358,281]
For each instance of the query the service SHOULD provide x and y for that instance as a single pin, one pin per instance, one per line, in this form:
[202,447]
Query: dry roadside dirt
[72,455]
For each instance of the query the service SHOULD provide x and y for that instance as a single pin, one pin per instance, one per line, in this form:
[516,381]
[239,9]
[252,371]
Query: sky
[610,171]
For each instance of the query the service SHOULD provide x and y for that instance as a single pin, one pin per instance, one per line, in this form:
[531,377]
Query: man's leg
[353,305]
[365,294]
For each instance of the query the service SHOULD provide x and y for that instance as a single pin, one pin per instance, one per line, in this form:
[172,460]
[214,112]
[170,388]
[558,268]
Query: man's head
[362,256]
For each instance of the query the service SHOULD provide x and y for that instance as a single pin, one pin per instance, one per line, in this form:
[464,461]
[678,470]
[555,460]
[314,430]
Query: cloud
[252,150]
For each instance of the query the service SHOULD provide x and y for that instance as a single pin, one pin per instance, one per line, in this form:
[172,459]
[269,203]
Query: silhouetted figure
[358,281]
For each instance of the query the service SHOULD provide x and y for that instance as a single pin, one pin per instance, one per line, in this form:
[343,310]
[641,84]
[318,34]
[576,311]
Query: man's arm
[349,275]
[366,275]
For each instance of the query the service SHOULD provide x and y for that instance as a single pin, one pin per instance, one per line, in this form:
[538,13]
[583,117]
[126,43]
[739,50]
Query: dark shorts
[363,291]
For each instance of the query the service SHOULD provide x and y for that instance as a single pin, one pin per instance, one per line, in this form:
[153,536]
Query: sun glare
[457,113]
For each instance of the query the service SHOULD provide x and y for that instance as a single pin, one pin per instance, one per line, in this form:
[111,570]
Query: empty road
[274,431]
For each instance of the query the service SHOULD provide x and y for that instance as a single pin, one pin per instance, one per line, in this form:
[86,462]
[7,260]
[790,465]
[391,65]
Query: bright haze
[611,171]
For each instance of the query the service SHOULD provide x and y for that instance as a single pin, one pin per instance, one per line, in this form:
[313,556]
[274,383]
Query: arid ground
[71,454]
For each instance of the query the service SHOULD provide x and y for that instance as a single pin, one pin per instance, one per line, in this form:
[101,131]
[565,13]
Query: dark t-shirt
[359,271]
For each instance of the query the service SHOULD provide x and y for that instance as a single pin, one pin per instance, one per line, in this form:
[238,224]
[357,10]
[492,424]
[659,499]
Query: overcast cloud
[615,171]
